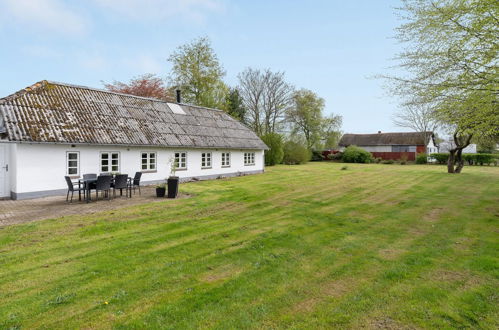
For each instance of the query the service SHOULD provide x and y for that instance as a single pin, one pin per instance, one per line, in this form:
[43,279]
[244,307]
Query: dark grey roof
[383,139]
[60,113]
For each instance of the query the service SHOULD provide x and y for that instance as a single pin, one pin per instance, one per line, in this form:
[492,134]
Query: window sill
[149,171]
[226,166]
[181,169]
[249,164]
[206,168]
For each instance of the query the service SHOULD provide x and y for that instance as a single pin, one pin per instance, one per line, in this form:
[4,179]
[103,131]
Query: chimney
[179,96]
[379,132]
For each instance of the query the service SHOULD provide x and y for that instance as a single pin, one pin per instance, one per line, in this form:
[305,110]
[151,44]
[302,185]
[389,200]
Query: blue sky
[331,47]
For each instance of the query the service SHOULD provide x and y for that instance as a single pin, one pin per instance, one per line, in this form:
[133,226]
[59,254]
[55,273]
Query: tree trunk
[459,161]
[451,161]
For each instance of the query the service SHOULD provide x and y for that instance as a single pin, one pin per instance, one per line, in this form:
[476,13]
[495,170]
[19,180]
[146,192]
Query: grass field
[309,246]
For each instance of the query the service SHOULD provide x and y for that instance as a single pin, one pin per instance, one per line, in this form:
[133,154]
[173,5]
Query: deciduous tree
[198,73]
[147,85]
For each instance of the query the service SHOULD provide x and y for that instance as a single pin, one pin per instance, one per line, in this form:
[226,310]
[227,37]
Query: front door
[4,169]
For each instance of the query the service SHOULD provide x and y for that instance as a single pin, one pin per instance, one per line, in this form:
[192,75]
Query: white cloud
[51,15]
[194,10]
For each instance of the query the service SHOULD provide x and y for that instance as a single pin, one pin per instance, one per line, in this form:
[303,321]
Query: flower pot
[173,183]
[160,192]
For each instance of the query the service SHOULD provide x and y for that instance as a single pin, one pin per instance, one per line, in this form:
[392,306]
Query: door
[4,171]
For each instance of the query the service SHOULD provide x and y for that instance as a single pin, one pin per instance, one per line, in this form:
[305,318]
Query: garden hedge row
[471,159]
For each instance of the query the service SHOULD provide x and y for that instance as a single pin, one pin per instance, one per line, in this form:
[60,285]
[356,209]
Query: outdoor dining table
[87,185]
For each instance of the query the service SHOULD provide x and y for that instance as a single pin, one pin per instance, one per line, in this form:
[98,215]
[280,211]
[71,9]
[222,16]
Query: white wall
[42,167]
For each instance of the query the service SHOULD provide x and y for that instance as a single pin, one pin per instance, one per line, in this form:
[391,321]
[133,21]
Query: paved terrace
[21,211]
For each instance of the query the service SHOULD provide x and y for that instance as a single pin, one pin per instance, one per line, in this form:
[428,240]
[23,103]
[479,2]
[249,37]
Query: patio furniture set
[102,183]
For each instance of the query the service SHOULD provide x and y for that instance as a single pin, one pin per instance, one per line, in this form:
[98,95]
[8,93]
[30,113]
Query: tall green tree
[306,119]
[198,73]
[450,63]
[234,105]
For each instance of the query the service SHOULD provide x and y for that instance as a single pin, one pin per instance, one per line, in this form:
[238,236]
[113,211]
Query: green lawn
[308,246]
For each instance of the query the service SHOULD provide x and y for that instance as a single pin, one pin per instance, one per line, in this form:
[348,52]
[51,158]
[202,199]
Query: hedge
[471,159]
[354,154]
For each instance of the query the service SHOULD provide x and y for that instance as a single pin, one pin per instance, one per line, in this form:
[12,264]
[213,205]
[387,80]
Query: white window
[148,161]
[181,160]
[225,159]
[73,163]
[249,158]
[109,162]
[206,160]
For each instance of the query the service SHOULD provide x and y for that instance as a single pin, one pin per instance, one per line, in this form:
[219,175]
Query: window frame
[148,161]
[249,159]
[207,160]
[110,161]
[77,164]
[178,167]
[227,159]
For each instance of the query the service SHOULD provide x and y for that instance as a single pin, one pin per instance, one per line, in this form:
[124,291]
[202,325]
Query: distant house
[51,130]
[391,145]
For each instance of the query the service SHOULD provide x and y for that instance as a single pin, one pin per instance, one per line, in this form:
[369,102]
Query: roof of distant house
[379,139]
[52,112]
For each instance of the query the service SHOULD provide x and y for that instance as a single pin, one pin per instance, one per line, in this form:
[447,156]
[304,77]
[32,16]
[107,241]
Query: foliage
[278,240]
[378,160]
[418,117]
[317,156]
[450,63]
[275,154]
[147,85]
[295,153]
[481,159]
[440,157]
[354,154]
[234,105]
[421,158]
[388,161]
[403,160]
[197,72]
[266,96]
[306,119]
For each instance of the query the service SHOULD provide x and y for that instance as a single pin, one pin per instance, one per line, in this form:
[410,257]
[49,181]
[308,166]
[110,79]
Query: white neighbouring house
[51,130]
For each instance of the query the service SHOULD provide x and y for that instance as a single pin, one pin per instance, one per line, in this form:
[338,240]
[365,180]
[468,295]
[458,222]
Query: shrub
[421,158]
[403,160]
[483,159]
[336,156]
[295,153]
[354,154]
[317,156]
[378,160]
[275,154]
[441,158]
[388,161]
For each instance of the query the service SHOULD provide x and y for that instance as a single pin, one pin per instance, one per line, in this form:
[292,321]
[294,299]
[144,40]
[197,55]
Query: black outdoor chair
[135,182]
[103,184]
[89,176]
[72,189]
[121,182]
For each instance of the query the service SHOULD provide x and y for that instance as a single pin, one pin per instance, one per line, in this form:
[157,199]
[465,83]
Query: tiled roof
[383,139]
[50,112]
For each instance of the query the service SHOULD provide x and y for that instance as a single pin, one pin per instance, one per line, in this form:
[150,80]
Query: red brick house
[391,145]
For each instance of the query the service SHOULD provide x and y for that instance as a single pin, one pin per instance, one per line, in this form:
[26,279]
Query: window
[249,158]
[109,162]
[148,161]
[206,160]
[181,160]
[73,163]
[225,159]
[403,148]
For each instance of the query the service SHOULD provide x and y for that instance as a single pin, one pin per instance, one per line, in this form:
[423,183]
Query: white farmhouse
[51,130]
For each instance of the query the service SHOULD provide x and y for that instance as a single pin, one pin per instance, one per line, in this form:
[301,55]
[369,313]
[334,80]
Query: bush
[421,158]
[336,156]
[295,153]
[317,156]
[483,159]
[378,160]
[275,154]
[388,161]
[354,154]
[441,158]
